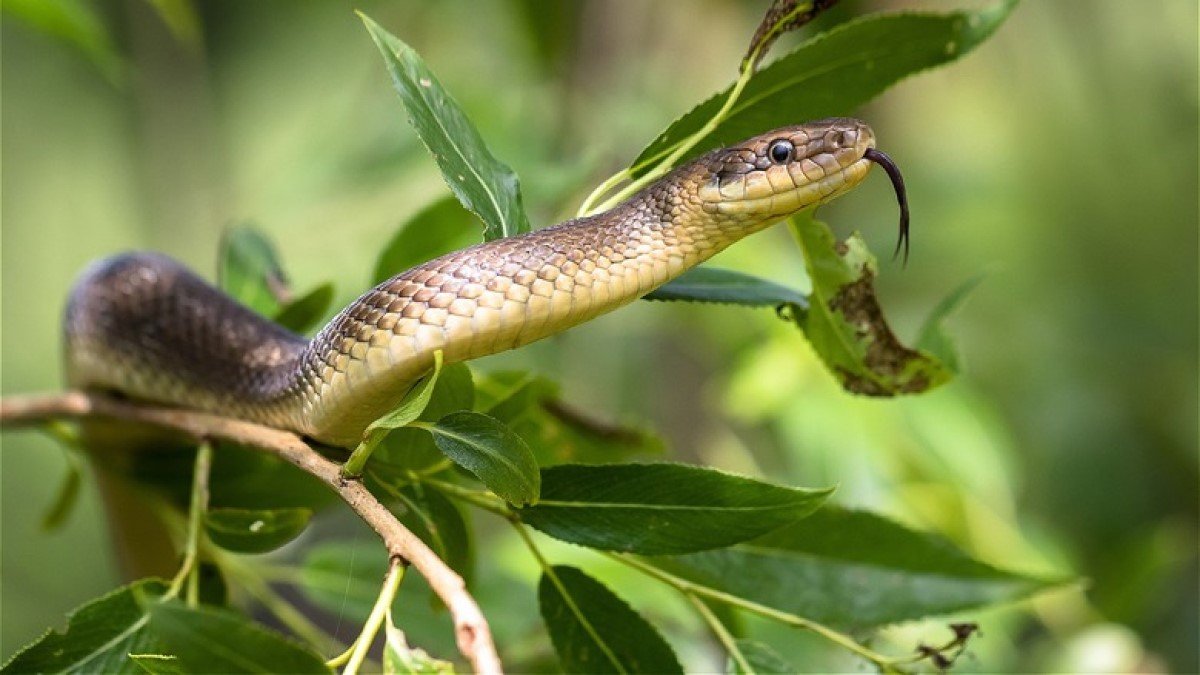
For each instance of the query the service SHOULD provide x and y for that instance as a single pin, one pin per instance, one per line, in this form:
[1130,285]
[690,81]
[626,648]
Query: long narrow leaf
[833,74]
[483,184]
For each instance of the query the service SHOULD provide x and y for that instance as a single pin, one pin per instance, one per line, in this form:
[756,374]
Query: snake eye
[781,151]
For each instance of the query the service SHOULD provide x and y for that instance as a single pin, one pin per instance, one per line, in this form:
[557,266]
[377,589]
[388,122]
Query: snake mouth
[893,172]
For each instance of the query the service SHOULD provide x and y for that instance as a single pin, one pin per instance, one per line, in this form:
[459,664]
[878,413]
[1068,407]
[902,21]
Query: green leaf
[399,658]
[762,659]
[307,311]
[485,447]
[439,228]
[208,640]
[99,637]
[933,337]
[254,531]
[67,496]
[558,432]
[845,324]
[483,184]
[344,578]
[158,664]
[853,569]
[710,284]
[250,272]
[77,24]
[594,631]
[239,475]
[658,509]
[555,432]
[413,403]
[413,449]
[832,74]
[237,478]
[182,20]
[440,524]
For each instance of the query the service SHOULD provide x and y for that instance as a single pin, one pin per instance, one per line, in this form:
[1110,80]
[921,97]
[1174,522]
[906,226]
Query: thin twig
[383,604]
[471,628]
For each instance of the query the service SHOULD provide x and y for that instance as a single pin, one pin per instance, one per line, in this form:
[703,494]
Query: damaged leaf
[845,324]
[783,16]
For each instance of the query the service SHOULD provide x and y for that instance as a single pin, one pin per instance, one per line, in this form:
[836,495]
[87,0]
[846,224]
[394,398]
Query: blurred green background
[1060,158]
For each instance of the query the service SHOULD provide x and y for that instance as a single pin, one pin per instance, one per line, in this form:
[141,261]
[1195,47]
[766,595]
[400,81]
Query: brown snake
[143,325]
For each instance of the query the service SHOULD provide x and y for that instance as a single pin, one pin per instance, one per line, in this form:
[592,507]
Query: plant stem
[721,632]
[680,149]
[604,188]
[472,634]
[353,467]
[483,500]
[886,664]
[199,503]
[548,570]
[391,584]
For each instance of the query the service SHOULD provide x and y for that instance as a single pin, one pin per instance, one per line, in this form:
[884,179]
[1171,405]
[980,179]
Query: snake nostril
[848,139]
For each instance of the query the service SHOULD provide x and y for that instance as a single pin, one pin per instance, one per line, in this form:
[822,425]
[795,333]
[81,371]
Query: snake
[141,325]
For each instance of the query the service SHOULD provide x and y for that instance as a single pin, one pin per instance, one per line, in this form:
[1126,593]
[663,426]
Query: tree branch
[471,629]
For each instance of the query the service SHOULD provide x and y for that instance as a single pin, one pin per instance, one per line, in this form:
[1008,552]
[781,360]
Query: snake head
[771,176]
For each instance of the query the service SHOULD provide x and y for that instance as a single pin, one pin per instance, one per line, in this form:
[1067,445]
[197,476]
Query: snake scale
[142,325]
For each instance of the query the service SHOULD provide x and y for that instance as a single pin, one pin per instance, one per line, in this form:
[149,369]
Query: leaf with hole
[594,631]
[845,324]
[254,530]
[483,184]
[854,569]
[658,509]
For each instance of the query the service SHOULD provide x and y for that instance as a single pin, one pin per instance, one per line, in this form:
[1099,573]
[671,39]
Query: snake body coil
[145,326]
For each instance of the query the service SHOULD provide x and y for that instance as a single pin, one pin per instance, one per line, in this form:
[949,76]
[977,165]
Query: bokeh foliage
[1062,156]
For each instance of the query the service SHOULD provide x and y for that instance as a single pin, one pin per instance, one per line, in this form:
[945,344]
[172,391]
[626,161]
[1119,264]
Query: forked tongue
[893,173]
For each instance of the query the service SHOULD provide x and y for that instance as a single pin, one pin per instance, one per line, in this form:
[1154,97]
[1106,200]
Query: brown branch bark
[471,628]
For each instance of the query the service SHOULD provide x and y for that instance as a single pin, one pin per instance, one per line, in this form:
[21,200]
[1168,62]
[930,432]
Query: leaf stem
[885,664]
[199,504]
[391,584]
[680,149]
[353,467]
[721,632]
[478,498]
[604,188]
[548,570]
